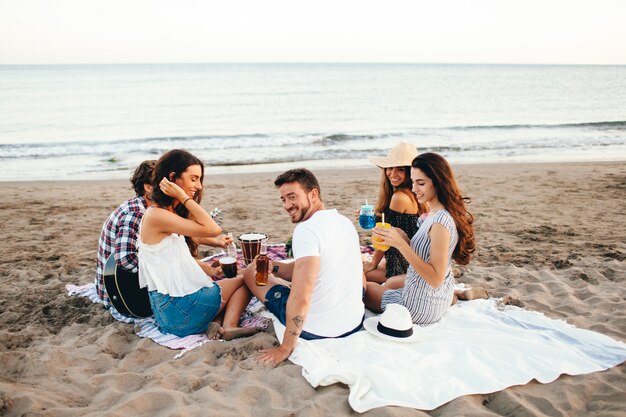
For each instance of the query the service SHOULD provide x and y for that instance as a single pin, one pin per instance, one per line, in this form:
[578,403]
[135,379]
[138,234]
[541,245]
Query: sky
[197,31]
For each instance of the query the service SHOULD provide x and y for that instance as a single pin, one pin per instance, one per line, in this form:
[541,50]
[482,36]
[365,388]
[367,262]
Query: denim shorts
[186,315]
[276,302]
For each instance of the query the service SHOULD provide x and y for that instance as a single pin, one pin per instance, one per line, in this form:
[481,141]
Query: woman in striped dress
[446,233]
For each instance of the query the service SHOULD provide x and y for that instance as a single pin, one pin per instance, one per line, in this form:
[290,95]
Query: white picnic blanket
[476,348]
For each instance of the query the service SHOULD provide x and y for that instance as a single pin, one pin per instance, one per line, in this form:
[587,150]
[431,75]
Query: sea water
[100,121]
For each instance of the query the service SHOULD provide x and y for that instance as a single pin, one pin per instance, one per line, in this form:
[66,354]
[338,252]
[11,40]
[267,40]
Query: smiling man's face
[296,200]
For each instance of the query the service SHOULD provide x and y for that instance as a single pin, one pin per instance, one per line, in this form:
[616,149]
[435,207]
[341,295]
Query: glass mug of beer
[229,266]
[229,261]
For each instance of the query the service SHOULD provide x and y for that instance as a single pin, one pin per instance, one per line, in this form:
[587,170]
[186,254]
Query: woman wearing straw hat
[447,233]
[401,209]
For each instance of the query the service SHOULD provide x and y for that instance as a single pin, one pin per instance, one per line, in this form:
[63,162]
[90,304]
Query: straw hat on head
[401,155]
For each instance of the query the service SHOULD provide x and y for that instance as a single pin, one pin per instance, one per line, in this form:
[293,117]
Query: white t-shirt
[337,299]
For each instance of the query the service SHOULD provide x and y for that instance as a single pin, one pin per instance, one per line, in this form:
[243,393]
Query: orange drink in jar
[376,240]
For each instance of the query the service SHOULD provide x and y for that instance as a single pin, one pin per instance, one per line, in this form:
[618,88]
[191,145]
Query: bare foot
[508,300]
[237,332]
[214,330]
[472,294]
[455,300]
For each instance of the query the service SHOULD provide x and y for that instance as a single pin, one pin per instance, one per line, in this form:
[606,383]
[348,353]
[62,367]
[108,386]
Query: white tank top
[169,268]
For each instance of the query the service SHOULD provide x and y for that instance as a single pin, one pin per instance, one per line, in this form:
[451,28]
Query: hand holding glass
[376,241]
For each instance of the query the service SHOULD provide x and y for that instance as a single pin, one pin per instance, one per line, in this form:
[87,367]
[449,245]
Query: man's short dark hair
[302,176]
[142,176]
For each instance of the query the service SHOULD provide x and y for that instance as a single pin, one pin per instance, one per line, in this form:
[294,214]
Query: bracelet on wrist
[187,199]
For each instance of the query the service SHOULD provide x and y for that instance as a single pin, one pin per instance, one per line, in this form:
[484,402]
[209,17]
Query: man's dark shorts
[276,303]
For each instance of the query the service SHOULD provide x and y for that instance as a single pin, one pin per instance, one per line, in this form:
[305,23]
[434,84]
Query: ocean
[99,121]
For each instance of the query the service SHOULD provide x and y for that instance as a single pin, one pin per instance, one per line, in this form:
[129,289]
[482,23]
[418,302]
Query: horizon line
[312,63]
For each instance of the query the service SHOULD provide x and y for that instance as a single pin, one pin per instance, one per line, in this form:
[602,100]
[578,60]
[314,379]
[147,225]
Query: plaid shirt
[119,234]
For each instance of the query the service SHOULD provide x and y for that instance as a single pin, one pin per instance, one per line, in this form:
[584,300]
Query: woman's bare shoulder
[156,213]
[403,202]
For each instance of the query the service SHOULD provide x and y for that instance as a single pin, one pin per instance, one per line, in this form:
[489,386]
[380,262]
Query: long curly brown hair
[171,165]
[439,171]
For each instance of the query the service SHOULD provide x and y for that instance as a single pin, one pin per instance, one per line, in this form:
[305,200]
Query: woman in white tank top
[184,298]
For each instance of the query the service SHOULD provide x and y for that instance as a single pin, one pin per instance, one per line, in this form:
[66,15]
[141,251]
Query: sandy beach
[550,236]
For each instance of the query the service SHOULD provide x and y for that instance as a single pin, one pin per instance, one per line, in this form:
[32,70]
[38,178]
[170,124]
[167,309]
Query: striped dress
[426,304]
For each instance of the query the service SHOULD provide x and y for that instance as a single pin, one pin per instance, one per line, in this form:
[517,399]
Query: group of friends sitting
[324,290]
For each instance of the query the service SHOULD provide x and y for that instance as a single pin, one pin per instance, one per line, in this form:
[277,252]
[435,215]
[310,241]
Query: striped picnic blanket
[148,327]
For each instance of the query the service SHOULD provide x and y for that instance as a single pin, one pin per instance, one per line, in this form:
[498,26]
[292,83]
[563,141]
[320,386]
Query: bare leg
[395,282]
[260,291]
[377,275]
[228,287]
[472,294]
[235,307]
[373,296]
[232,313]
[235,298]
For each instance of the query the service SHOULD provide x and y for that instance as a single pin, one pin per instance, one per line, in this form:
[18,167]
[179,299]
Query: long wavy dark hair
[386,191]
[439,171]
[171,166]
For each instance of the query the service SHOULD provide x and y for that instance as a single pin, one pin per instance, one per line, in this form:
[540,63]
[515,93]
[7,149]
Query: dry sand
[551,236]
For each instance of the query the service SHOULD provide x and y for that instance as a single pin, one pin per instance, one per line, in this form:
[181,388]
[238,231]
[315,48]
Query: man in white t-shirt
[325,299]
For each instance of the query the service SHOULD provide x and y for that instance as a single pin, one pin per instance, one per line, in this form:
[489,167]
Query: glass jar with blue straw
[367,218]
